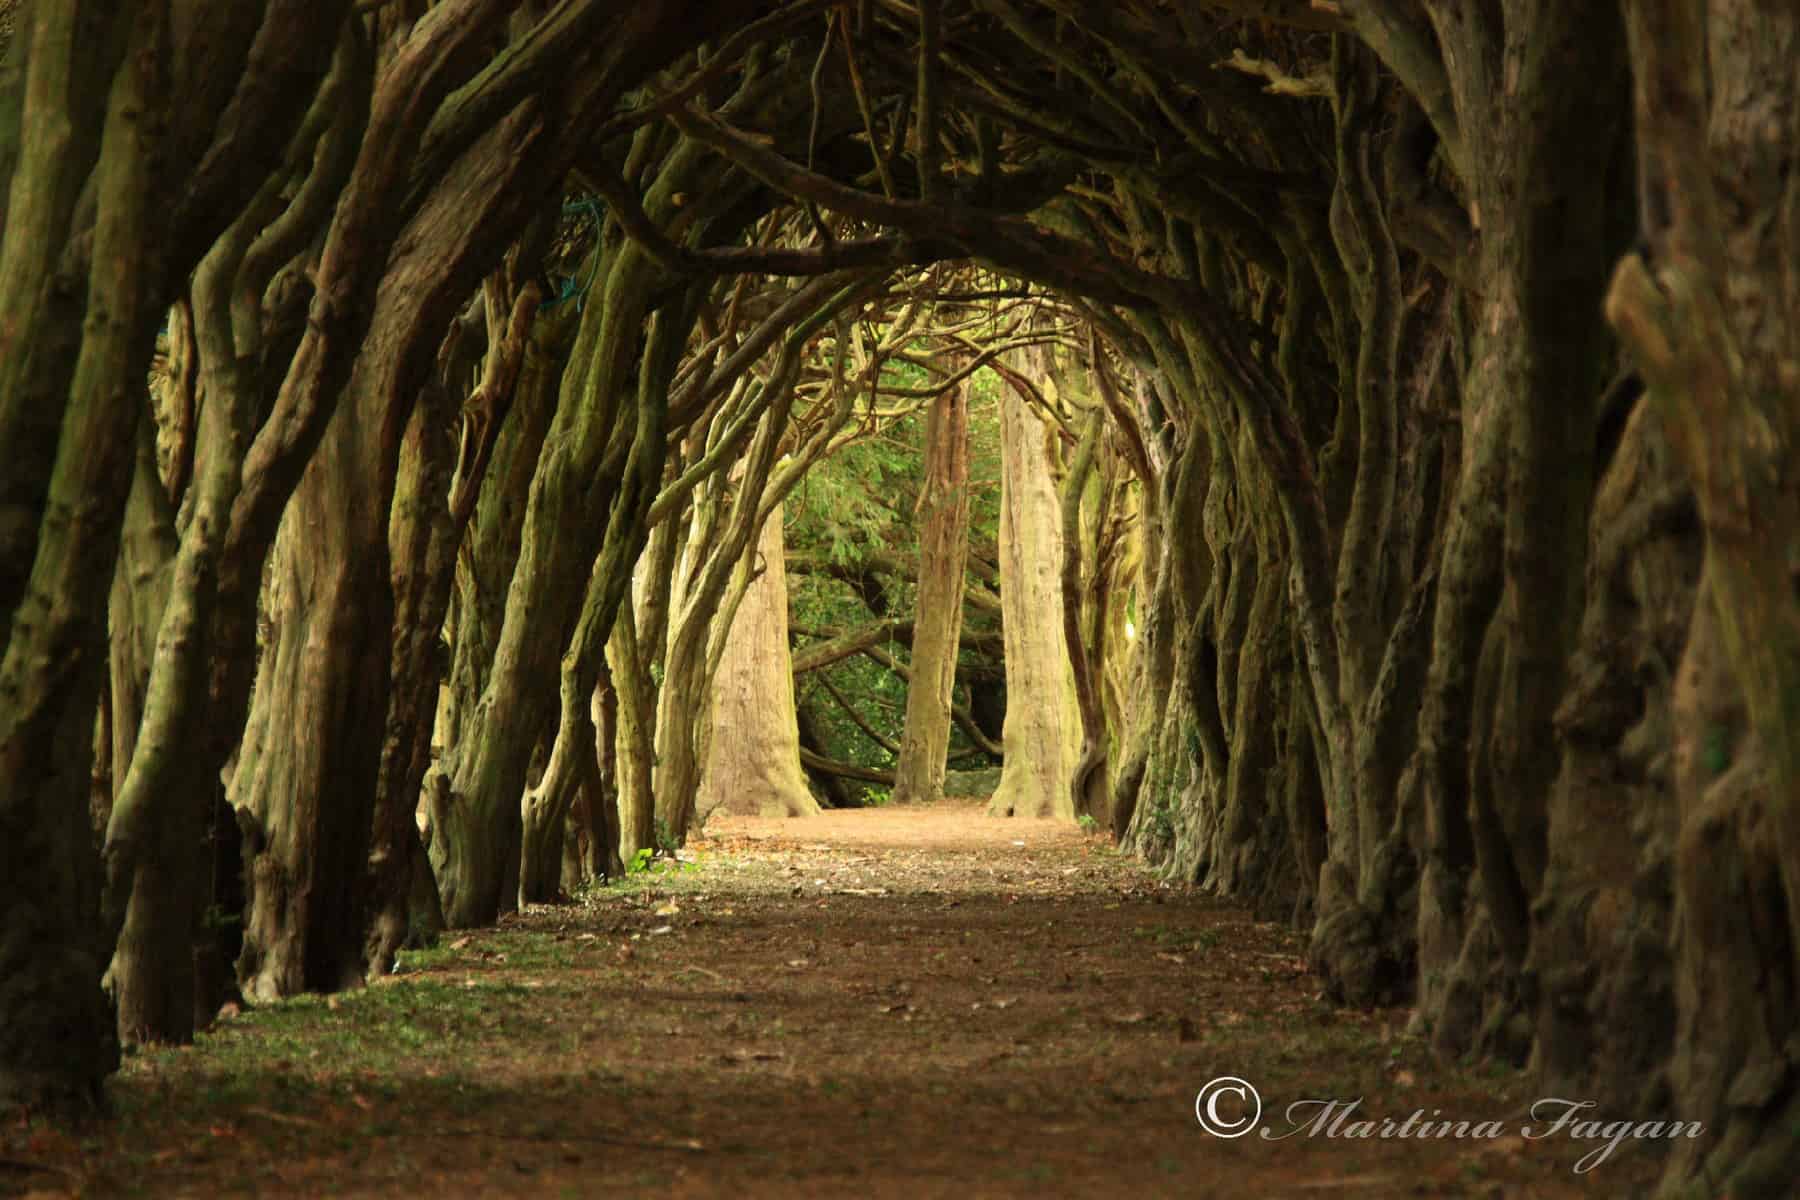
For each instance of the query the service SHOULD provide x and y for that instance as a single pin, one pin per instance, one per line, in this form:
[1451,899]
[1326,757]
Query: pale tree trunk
[720,539]
[753,757]
[937,628]
[635,731]
[1043,725]
[148,982]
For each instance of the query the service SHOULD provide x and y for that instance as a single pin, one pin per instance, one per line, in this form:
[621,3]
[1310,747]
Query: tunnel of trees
[1351,441]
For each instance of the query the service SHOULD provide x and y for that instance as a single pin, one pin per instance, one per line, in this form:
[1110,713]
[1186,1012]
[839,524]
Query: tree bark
[56,1036]
[308,777]
[937,628]
[1709,310]
[753,757]
[1042,736]
[478,832]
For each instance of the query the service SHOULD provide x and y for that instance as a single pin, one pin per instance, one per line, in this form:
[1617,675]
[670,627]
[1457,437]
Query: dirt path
[873,1004]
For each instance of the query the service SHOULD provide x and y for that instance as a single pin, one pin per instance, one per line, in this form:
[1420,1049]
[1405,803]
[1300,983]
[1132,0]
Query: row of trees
[1419,397]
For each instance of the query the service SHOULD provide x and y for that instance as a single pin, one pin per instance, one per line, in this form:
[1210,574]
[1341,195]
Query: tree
[1707,310]
[1425,592]
[119,96]
[943,548]
[1043,724]
[753,753]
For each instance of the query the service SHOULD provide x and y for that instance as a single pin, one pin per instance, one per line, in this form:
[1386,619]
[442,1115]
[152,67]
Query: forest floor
[876,1003]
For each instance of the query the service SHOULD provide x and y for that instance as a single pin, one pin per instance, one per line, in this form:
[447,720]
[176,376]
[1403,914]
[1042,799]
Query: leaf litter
[955,1004]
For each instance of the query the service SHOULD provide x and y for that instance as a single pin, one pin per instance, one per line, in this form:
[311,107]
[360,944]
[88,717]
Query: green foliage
[858,505]
[1716,751]
[665,838]
[1162,820]
[218,917]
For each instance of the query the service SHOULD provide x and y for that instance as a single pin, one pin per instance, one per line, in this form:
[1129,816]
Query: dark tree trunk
[310,768]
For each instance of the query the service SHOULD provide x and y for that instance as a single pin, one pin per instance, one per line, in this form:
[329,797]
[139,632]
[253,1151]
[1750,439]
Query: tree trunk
[56,1034]
[477,834]
[151,985]
[937,629]
[574,767]
[753,758]
[489,550]
[435,500]
[634,742]
[1710,310]
[1043,727]
[202,680]
[309,771]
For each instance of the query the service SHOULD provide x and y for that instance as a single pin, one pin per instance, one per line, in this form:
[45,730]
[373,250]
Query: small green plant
[665,838]
[1087,822]
[1716,753]
[1162,821]
[218,917]
[640,862]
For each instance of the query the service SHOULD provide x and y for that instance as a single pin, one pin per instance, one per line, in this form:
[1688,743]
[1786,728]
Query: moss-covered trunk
[1712,314]
[61,543]
[477,831]
[308,773]
[574,765]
